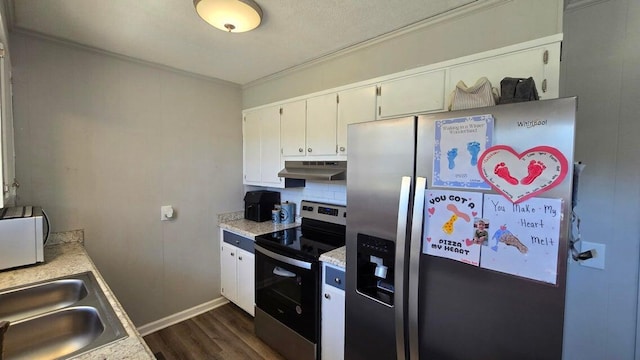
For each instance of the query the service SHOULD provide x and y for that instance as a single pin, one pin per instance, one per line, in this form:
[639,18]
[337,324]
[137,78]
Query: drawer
[241,242]
[334,277]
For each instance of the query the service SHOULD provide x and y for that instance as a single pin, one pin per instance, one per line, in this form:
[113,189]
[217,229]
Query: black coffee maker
[258,204]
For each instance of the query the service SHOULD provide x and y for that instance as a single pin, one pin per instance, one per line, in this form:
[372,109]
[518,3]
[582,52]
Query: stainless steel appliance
[404,304]
[288,279]
[23,232]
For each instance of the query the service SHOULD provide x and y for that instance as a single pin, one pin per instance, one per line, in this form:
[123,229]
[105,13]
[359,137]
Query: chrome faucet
[4,326]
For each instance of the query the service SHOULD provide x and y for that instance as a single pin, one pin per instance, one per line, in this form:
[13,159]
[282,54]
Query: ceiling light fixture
[230,15]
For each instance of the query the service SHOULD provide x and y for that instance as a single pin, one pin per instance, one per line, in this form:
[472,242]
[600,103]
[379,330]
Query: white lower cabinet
[237,278]
[332,323]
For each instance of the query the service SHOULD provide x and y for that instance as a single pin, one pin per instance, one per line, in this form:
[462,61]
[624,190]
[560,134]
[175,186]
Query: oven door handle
[282,258]
[282,272]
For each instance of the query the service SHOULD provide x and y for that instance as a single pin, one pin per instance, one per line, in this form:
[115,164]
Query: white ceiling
[169,32]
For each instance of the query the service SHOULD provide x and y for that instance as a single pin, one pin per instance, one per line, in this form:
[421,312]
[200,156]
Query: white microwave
[23,233]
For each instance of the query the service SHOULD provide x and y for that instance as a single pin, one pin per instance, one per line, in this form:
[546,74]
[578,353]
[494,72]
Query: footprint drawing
[503,171]
[474,149]
[451,155]
[505,236]
[535,169]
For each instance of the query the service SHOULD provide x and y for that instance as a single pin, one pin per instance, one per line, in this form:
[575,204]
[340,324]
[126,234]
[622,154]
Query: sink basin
[57,319]
[37,299]
[53,335]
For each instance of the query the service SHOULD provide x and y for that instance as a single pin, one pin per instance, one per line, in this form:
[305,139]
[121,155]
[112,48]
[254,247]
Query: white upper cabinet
[541,63]
[322,112]
[419,93]
[261,147]
[293,124]
[315,126]
[251,144]
[354,106]
[271,162]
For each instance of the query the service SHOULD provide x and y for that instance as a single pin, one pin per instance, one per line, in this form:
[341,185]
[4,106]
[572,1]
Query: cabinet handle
[338,281]
[232,254]
[240,258]
[327,296]
[342,148]
[309,149]
[300,149]
[237,241]
[544,85]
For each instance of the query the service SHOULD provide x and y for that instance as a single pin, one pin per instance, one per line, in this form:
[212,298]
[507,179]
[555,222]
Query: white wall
[508,23]
[103,142]
[601,65]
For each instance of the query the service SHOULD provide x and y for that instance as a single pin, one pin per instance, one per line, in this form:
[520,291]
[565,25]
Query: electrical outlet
[166,213]
[596,262]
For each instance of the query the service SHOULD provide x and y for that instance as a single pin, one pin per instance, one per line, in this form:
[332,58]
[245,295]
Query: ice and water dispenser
[376,258]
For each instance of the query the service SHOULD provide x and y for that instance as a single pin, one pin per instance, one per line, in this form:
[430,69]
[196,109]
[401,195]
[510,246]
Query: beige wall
[103,142]
[510,22]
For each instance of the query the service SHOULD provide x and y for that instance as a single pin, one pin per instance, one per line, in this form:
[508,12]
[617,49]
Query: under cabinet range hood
[314,170]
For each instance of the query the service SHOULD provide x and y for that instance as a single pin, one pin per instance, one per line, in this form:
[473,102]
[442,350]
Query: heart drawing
[519,176]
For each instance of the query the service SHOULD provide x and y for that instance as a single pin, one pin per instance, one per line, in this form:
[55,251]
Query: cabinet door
[246,281]
[270,160]
[228,273]
[251,147]
[322,112]
[414,94]
[521,64]
[354,106]
[332,330]
[293,125]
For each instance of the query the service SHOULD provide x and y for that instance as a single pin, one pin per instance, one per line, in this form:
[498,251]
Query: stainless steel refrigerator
[402,303]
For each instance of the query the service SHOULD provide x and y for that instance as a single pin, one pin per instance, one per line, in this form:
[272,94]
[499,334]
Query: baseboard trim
[152,327]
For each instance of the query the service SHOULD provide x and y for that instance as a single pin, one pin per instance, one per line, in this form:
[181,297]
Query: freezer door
[379,189]
[466,312]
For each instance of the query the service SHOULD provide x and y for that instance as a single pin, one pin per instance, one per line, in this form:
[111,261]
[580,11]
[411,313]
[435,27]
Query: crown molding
[462,11]
[76,45]
[573,5]
[10,14]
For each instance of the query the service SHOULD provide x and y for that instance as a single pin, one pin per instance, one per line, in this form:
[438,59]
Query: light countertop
[68,258]
[235,223]
[337,257]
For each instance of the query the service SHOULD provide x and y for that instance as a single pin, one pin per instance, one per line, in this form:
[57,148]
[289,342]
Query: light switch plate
[595,262]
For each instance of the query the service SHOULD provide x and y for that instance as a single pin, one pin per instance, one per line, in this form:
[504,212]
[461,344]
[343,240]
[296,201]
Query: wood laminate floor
[226,332]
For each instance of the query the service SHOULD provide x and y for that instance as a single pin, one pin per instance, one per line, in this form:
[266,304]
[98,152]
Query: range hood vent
[314,170]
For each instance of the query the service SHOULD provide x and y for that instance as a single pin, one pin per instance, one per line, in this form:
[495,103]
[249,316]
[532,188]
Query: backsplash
[334,192]
[63,237]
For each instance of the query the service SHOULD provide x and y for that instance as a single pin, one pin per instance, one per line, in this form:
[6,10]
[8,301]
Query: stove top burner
[314,237]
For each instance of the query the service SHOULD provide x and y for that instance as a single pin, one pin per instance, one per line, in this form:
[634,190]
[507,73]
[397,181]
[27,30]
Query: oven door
[287,289]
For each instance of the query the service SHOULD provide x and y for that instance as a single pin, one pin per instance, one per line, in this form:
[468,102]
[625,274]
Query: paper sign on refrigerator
[523,238]
[448,225]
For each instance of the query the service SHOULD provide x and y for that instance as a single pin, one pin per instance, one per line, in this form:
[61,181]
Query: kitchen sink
[37,299]
[58,318]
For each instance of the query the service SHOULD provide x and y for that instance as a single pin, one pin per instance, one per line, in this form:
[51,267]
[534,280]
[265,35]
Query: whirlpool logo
[532,123]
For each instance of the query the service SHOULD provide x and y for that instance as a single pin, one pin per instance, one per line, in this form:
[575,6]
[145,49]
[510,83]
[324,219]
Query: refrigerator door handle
[414,267]
[401,238]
